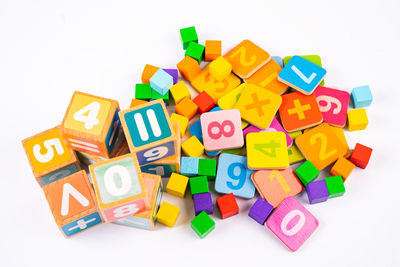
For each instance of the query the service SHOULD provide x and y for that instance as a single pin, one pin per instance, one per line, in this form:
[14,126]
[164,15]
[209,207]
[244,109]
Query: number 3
[43,158]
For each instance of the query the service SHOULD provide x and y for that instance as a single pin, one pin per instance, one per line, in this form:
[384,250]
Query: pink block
[124,210]
[250,129]
[275,126]
[292,223]
[222,130]
[333,104]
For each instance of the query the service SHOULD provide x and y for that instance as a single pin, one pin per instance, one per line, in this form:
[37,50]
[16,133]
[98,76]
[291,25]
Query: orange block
[137,102]
[148,72]
[186,107]
[189,68]
[342,167]
[212,50]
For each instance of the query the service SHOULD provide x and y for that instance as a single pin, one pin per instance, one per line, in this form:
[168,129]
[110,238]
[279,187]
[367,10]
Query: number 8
[221,129]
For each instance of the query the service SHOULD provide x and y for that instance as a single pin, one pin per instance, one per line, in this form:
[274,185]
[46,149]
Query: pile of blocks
[253,117]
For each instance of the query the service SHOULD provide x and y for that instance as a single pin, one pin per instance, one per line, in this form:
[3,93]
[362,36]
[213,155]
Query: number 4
[90,119]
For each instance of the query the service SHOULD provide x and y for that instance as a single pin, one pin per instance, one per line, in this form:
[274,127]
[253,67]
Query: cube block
[167,214]
[161,81]
[220,68]
[198,185]
[260,210]
[203,202]
[179,91]
[192,147]
[208,167]
[204,101]
[361,96]
[227,205]
[189,68]
[342,167]
[317,192]
[186,107]
[143,91]
[202,224]
[307,172]
[177,185]
[183,122]
[195,51]
[361,155]
[173,73]
[357,119]
[335,186]
[188,35]
[189,166]
[213,49]
[148,72]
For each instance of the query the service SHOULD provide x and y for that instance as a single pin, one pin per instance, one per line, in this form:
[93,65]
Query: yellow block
[192,147]
[167,214]
[182,121]
[357,119]
[293,135]
[294,154]
[229,100]
[177,185]
[220,68]
[179,91]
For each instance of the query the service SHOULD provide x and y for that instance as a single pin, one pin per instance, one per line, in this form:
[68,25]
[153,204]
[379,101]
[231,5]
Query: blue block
[189,166]
[302,75]
[361,96]
[81,224]
[233,176]
[195,130]
[161,81]
[278,60]
[212,153]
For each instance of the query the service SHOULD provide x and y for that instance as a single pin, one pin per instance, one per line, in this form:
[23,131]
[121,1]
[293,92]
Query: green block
[155,95]
[307,172]
[195,51]
[208,167]
[188,35]
[312,58]
[202,224]
[335,186]
[198,184]
[143,91]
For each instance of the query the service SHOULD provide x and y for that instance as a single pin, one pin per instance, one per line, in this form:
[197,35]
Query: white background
[48,49]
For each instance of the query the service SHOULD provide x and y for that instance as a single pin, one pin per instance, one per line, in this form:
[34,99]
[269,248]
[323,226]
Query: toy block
[137,102]
[189,68]
[267,150]
[220,68]
[299,111]
[276,185]
[202,224]
[233,176]
[213,50]
[229,100]
[317,192]
[294,154]
[204,102]
[90,124]
[258,106]
[361,155]
[179,91]
[49,156]
[167,214]
[260,210]
[267,78]
[195,130]
[342,167]
[246,58]
[177,185]
[278,60]
[188,35]
[212,154]
[192,147]
[333,105]
[203,202]
[148,72]
[161,81]
[198,185]
[186,107]
[340,134]
[146,220]
[361,96]
[221,130]
[275,126]
[189,166]
[321,145]
[357,119]
[208,167]
[73,204]
[312,58]
[195,50]
[335,186]
[290,231]
[155,95]
[227,206]
[143,91]
[250,129]
[237,151]
[307,172]
[302,75]
[183,122]
[173,73]
[149,131]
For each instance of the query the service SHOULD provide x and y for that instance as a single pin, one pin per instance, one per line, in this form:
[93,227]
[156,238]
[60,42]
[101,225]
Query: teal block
[361,96]
[188,35]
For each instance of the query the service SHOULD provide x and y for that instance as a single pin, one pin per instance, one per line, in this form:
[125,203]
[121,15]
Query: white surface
[48,49]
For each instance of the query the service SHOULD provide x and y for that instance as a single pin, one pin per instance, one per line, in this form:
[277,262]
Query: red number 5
[221,129]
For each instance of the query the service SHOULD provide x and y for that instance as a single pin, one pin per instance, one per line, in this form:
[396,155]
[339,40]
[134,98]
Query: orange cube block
[137,102]
[186,107]
[213,49]
[148,72]
[189,68]
[342,167]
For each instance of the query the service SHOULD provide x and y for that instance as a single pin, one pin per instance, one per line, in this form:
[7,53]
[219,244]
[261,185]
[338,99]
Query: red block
[227,206]
[204,101]
[361,155]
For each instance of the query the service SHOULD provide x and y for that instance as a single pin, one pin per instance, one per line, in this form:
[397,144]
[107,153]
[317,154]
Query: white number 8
[329,100]
[155,153]
[125,211]
[295,229]
[43,158]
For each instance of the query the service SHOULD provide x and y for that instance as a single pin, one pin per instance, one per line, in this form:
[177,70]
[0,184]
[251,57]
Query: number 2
[43,158]
[241,178]
[323,154]
[242,54]
[90,119]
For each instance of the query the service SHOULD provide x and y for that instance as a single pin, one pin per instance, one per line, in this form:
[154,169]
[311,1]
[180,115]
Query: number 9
[155,153]
[241,178]
[329,100]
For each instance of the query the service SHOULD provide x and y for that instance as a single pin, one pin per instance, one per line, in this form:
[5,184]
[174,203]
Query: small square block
[189,166]
[161,82]
[177,185]
[183,122]
[167,214]
[155,95]
[188,35]
[317,192]
[204,101]
[195,51]
[143,91]
[307,172]
[335,186]
[192,147]
[316,59]
[361,96]
[208,167]
[179,91]
[278,60]
[213,49]
[260,210]
[203,202]
[357,119]
[220,68]
[173,73]
[195,130]
[137,102]
[342,167]
[361,155]
[186,107]
[202,224]
[148,72]
[227,206]
[189,68]
[198,185]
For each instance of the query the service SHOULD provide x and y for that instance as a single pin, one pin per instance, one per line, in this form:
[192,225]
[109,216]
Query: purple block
[317,192]
[250,129]
[260,210]
[203,202]
[173,73]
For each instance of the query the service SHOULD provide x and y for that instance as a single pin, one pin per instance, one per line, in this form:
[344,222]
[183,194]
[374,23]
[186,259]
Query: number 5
[43,158]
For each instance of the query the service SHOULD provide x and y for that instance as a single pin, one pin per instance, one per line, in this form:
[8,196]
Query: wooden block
[222,130]
[278,60]
[167,214]
[189,68]
[246,58]
[317,192]
[229,100]
[294,154]
[188,35]
[204,102]
[258,106]
[195,51]
[73,204]
[149,131]
[207,167]
[333,105]
[275,126]
[361,96]
[213,50]
[189,166]
[361,155]
[186,107]
[227,206]
[267,78]
[148,72]
[143,91]
[299,111]
[292,233]
[342,167]
[174,73]
[177,185]
[307,172]
[183,122]
[49,156]
[155,95]
[137,102]
[146,220]
[316,59]
[233,176]
[192,147]
[220,68]
[198,185]
[335,186]
[260,210]
[340,134]
[203,202]
[122,197]
[202,224]
[276,185]
[266,150]
[91,123]
[195,130]
[161,81]
[357,119]
[179,91]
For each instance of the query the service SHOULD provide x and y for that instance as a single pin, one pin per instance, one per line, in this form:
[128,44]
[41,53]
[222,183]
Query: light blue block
[361,96]
[189,166]
[278,60]
[302,74]
[233,176]
[161,81]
